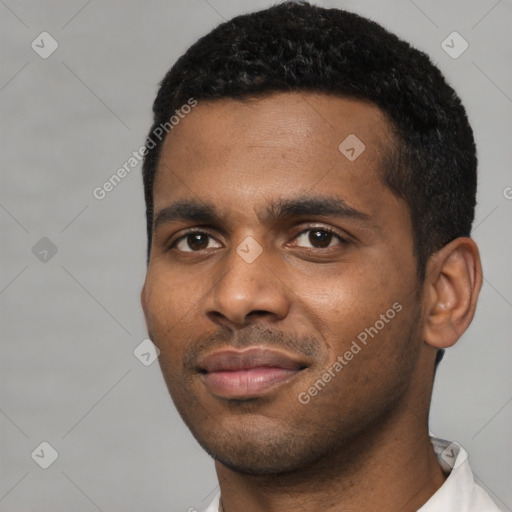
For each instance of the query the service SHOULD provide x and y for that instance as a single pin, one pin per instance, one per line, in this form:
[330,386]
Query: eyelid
[189,231]
[345,239]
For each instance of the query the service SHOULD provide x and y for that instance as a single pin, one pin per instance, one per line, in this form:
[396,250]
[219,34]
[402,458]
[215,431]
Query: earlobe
[452,284]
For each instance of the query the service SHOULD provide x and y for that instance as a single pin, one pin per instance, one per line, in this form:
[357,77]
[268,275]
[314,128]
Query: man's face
[274,253]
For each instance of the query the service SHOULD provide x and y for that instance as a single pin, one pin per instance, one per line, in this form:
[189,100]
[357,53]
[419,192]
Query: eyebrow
[205,212]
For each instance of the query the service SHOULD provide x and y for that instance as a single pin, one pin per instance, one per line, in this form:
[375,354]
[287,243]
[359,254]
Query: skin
[362,442]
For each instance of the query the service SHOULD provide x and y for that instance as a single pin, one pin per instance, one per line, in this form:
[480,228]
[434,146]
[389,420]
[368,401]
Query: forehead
[230,150]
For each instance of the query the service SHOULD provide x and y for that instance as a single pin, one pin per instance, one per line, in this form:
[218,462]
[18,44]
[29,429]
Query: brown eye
[318,238]
[193,242]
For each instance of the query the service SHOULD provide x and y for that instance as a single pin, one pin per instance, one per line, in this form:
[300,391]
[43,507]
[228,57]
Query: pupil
[198,241]
[320,238]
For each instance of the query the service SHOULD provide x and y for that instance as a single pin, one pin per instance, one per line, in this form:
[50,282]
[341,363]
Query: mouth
[250,373]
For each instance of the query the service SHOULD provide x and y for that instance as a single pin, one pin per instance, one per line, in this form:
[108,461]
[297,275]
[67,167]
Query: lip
[248,373]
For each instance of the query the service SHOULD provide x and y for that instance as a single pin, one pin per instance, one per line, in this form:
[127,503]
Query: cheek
[169,303]
[357,304]
[372,342]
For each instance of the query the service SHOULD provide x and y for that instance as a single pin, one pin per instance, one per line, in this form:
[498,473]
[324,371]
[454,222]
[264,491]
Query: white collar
[459,492]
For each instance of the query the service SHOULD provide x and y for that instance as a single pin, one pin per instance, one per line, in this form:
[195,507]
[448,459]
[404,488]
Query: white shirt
[459,493]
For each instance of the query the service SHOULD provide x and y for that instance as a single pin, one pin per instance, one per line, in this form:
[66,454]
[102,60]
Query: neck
[388,468]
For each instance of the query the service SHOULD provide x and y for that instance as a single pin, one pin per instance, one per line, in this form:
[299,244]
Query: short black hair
[439,357]
[295,46]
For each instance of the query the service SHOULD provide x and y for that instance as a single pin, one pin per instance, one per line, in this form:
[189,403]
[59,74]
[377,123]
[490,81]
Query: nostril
[259,312]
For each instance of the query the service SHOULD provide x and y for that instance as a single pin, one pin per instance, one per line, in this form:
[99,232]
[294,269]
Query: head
[337,157]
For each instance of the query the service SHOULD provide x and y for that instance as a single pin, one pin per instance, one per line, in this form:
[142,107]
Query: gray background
[70,324]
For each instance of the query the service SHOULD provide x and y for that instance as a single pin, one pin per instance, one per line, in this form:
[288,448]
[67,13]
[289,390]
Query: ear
[452,284]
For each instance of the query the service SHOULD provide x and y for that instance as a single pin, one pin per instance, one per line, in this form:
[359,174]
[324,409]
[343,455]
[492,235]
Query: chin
[252,464]
[262,455]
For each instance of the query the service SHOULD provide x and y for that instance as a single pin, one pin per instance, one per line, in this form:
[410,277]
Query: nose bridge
[247,285]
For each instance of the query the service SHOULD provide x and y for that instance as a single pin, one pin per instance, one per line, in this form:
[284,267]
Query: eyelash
[326,229]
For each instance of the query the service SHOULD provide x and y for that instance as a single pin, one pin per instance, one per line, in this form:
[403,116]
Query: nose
[244,291]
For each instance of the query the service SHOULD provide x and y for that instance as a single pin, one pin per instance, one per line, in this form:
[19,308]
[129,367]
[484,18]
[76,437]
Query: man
[310,186]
